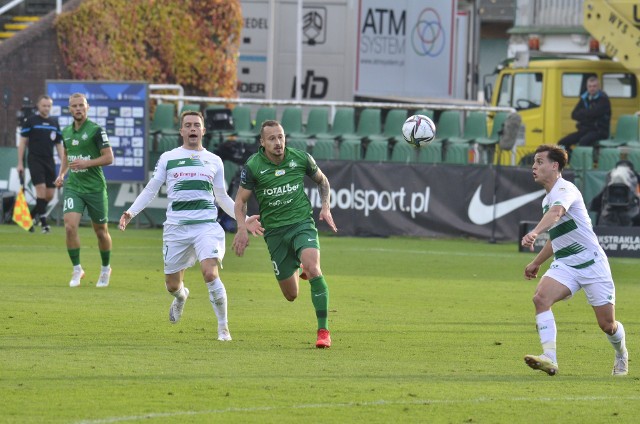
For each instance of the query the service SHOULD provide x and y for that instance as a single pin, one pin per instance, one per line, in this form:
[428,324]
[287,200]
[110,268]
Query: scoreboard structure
[121,108]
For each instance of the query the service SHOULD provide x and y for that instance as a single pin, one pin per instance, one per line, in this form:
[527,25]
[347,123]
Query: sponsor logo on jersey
[280,172]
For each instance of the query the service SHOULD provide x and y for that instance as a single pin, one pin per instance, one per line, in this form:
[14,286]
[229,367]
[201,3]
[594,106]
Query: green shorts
[96,204]
[286,243]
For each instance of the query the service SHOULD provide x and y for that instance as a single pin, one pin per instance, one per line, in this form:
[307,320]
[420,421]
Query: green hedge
[189,42]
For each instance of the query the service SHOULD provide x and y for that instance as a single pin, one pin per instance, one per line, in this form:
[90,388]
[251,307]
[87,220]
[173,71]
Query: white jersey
[572,238]
[191,177]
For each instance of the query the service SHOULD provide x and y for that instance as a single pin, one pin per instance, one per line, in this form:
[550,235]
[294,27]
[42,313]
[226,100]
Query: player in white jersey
[579,262]
[195,182]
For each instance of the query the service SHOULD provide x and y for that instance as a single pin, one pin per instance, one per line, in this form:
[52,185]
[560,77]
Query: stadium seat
[264,113]
[297,143]
[241,118]
[168,142]
[317,122]
[369,124]
[403,152]
[431,153]
[426,112]
[323,149]
[456,153]
[291,122]
[607,158]
[448,125]
[350,149]
[189,107]
[392,130]
[230,171]
[633,156]
[626,131]
[487,145]
[475,127]
[377,151]
[581,158]
[164,118]
[343,123]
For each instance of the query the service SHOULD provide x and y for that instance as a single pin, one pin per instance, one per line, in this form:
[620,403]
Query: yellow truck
[543,82]
[546,89]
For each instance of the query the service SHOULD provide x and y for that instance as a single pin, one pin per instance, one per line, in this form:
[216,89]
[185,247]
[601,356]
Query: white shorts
[596,280]
[183,244]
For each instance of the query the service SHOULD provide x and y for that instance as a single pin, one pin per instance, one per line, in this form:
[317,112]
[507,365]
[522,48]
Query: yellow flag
[21,214]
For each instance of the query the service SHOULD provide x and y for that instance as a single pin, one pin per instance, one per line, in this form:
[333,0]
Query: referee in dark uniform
[40,133]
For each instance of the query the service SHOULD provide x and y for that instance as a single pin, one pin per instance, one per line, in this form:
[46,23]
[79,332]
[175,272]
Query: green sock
[74,255]
[320,299]
[106,256]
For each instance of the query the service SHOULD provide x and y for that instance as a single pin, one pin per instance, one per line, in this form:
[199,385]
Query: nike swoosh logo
[311,239]
[263,171]
[481,214]
[320,294]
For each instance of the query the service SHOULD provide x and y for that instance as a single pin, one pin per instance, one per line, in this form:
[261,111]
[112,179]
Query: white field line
[357,404]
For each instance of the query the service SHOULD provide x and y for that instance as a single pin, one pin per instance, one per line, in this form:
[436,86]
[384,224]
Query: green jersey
[85,143]
[279,189]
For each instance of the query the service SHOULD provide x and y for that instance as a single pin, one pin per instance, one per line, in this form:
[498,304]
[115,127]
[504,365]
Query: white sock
[105,268]
[218,298]
[546,324]
[77,267]
[179,294]
[617,340]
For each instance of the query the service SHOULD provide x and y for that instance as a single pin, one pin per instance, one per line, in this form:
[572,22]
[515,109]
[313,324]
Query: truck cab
[545,90]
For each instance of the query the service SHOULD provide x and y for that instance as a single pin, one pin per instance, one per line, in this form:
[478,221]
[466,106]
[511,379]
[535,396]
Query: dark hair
[191,112]
[268,123]
[43,97]
[555,154]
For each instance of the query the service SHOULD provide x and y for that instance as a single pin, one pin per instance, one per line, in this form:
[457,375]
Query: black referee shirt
[43,134]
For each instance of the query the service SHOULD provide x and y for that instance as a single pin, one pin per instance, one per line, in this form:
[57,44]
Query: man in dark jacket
[592,115]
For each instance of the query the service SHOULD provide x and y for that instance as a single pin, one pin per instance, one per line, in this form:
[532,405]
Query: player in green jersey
[86,151]
[276,176]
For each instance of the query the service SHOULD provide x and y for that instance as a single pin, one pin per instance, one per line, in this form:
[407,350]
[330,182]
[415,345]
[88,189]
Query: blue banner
[121,109]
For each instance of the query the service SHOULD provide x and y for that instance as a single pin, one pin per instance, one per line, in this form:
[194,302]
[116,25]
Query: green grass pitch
[424,331]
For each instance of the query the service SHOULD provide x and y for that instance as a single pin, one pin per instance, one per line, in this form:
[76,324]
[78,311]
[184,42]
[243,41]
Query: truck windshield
[521,90]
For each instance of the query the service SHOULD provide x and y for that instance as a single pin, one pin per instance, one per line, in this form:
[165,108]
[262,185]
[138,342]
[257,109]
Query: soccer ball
[418,130]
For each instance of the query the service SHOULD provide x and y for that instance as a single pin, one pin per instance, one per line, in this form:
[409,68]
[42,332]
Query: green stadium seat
[241,118]
[291,122]
[264,113]
[581,158]
[607,158]
[323,149]
[626,131]
[297,143]
[164,118]
[448,125]
[230,171]
[168,142]
[189,107]
[426,112]
[475,127]
[432,153]
[343,123]
[369,124]
[350,149]
[403,152]
[317,122]
[377,151]
[487,144]
[633,155]
[456,153]
[392,130]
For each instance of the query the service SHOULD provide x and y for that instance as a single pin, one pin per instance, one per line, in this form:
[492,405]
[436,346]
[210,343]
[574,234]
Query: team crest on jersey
[53,135]
[292,164]
[85,136]
[280,172]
